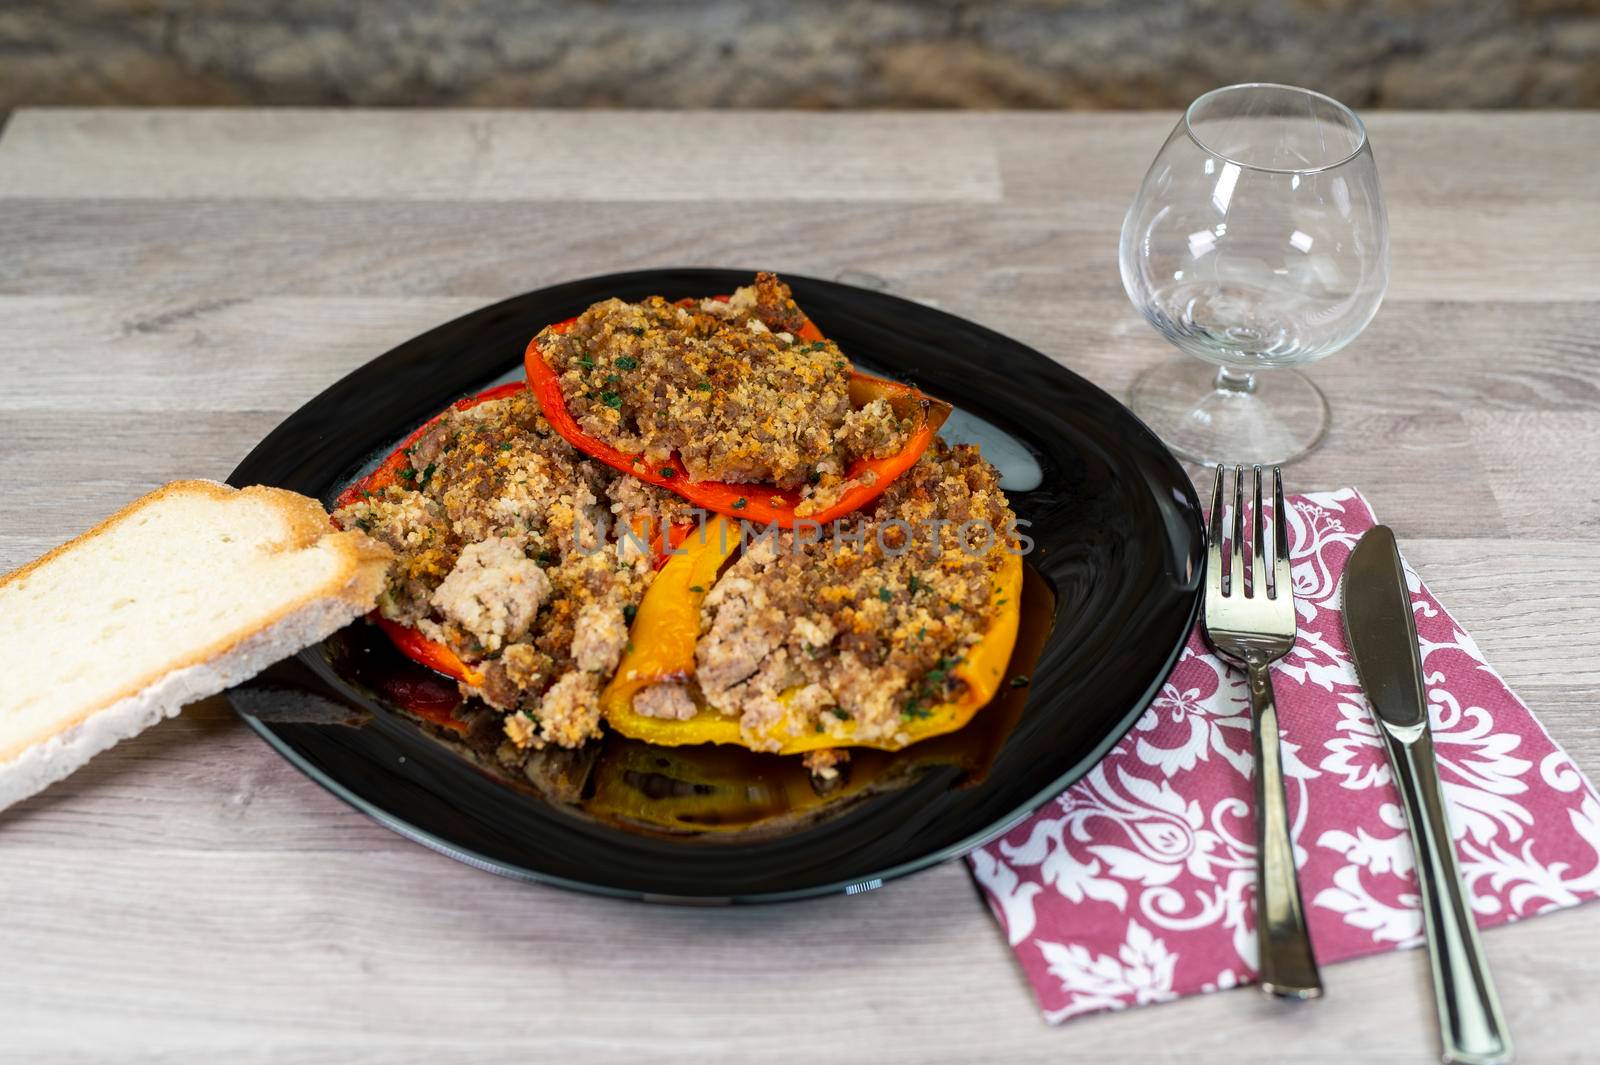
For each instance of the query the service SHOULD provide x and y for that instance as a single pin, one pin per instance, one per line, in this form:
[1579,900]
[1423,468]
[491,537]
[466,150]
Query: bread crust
[233,656]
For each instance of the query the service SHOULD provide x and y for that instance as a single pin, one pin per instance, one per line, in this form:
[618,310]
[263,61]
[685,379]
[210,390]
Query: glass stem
[1229,381]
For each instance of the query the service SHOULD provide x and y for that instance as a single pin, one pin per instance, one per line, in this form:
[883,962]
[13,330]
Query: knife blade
[1381,633]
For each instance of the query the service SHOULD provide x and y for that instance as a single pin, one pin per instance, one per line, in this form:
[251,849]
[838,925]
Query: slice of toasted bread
[179,595]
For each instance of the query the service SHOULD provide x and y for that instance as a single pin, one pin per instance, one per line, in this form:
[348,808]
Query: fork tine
[1236,570]
[1258,558]
[1214,540]
[1280,535]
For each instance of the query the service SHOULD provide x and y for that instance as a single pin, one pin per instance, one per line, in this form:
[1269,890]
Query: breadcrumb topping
[727,386]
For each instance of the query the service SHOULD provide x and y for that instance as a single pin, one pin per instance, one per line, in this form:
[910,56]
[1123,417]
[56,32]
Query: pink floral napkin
[1137,884]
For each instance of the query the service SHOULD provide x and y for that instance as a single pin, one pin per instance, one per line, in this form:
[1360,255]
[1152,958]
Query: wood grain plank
[1541,466]
[496,155]
[1542,625]
[201,781]
[1456,160]
[73,469]
[1480,206]
[201,353]
[623,156]
[379,956]
[174,248]
[219,352]
[296,247]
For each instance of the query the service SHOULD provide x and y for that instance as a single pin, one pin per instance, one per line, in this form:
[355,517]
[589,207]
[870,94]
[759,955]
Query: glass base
[1208,414]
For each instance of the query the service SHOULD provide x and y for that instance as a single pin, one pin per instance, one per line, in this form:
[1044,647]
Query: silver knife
[1382,635]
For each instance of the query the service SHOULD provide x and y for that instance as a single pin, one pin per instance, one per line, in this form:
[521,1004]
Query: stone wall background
[801,54]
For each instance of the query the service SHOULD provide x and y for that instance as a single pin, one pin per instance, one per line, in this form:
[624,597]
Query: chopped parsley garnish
[703,386]
[668,471]
[842,715]
[915,709]
[364,524]
[506,446]
[912,585]
[612,378]
[611,399]
[407,474]
[627,362]
[814,476]
[586,362]
[629,612]
[696,588]
[739,504]
[1021,680]
[885,594]
[426,474]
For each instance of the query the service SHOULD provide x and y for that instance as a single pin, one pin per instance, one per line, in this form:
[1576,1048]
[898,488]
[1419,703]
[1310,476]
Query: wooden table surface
[172,284]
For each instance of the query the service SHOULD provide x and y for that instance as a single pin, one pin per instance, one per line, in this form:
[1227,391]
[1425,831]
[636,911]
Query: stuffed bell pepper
[509,575]
[737,404]
[879,633]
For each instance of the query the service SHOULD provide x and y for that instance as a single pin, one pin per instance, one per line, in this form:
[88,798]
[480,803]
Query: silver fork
[1251,628]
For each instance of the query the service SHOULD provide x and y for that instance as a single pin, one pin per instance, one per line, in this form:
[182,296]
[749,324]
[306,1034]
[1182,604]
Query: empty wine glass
[1258,241]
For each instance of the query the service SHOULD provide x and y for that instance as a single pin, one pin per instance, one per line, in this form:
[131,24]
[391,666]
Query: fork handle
[1288,968]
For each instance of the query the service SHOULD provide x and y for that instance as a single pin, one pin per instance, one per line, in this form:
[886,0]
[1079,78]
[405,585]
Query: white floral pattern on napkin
[1137,884]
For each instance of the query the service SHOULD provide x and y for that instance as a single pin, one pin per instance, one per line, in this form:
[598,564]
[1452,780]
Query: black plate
[1118,535]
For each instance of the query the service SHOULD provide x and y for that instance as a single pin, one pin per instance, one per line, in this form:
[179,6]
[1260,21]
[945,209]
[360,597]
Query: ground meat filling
[726,386]
[486,524]
[863,631]
[669,700]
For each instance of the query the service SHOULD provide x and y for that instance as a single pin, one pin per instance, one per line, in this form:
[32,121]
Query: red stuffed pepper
[737,404]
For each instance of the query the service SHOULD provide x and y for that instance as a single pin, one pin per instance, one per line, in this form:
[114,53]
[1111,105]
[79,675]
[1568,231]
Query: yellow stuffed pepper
[870,641]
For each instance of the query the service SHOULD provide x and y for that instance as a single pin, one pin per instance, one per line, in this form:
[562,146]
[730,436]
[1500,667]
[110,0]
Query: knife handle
[1288,967]
[1470,1022]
